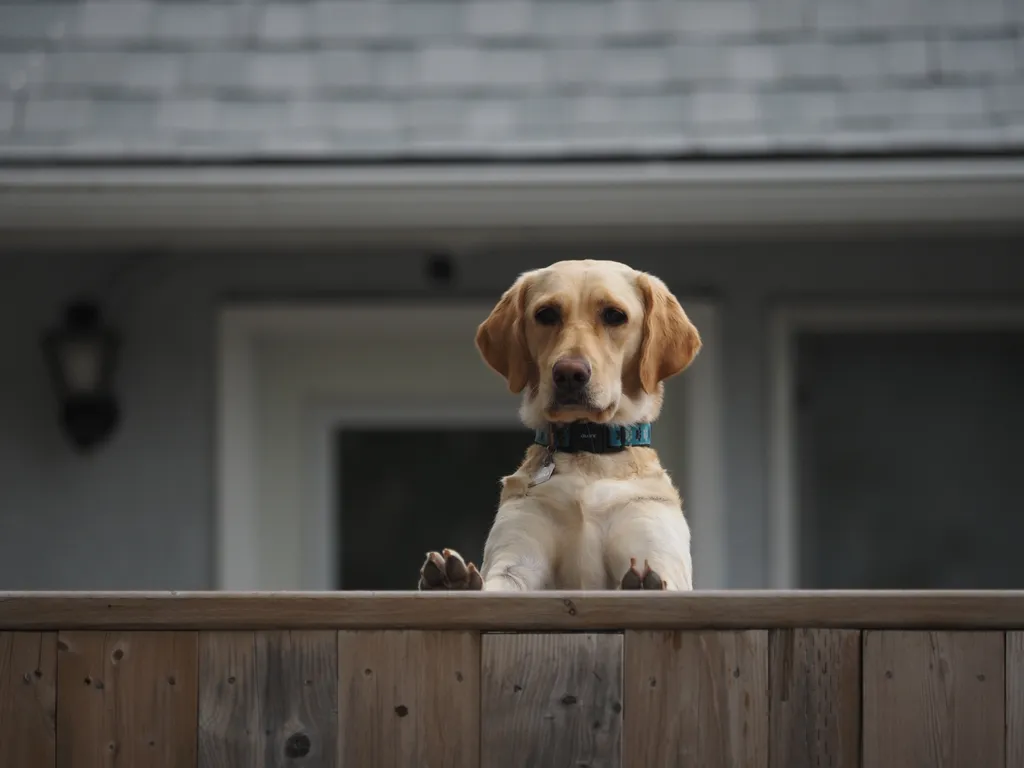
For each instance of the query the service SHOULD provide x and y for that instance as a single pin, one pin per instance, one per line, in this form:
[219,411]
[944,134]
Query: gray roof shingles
[507,78]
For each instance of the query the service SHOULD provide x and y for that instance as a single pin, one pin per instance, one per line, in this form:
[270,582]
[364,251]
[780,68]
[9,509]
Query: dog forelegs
[519,554]
[518,557]
[650,550]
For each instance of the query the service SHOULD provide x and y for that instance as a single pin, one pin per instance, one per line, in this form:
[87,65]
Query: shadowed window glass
[911,460]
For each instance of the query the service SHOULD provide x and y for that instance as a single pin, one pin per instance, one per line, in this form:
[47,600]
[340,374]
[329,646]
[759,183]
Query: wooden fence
[550,680]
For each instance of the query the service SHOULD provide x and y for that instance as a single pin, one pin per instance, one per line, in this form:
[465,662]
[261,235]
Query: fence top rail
[557,611]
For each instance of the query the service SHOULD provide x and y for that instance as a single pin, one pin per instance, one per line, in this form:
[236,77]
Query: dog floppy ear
[501,338]
[670,340]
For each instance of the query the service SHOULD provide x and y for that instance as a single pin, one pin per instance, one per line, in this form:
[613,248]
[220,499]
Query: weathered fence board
[409,698]
[814,677]
[696,698]
[520,612]
[551,699]
[28,699]
[268,699]
[934,698]
[126,699]
[595,680]
[1014,699]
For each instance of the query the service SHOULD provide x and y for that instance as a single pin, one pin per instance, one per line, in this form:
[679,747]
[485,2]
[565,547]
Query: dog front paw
[447,570]
[645,579]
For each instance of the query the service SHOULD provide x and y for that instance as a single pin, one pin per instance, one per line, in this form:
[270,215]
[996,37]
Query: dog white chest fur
[581,528]
[587,341]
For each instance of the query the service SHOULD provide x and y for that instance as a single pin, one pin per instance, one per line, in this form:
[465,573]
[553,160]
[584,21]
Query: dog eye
[547,316]
[612,316]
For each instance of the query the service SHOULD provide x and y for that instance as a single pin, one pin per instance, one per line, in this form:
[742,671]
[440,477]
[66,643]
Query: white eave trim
[663,194]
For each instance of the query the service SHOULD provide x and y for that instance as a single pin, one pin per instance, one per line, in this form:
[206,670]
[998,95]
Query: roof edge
[976,190]
[218,159]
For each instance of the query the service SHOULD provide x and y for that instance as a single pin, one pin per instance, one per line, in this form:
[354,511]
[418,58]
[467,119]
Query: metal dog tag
[543,474]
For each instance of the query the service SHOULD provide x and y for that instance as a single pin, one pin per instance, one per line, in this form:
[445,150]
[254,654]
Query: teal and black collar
[588,437]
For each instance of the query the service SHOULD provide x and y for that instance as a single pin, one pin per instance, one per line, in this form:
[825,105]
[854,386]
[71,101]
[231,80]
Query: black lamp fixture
[82,356]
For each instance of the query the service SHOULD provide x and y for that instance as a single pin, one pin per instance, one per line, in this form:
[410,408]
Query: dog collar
[588,437]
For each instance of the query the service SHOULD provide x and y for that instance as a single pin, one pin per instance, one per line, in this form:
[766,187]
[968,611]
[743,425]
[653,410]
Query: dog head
[588,341]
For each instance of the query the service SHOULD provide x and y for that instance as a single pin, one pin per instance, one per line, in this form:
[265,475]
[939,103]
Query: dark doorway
[438,487]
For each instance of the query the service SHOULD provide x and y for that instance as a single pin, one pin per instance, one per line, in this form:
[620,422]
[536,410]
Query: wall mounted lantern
[82,355]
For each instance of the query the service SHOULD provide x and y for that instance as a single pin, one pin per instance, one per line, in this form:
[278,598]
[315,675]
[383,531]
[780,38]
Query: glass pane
[407,491]
[910,457]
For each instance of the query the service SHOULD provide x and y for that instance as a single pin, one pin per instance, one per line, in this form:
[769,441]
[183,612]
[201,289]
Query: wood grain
[268,699]
[1014,699]
[567,611]
[28,699]
[696,698]
[933,698]
[409,699]
[814,679]
[551,700]
[126,699]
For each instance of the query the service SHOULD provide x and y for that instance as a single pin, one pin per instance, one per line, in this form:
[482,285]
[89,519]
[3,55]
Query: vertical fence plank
[126,699]
[409,698]
[28,699]
[551,699]
[814,678]
[933,698]
[230,731]
[696,698]
[1014,699]
[268,698]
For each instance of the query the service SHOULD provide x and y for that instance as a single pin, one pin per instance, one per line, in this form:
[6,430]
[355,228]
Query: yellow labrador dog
[588,344]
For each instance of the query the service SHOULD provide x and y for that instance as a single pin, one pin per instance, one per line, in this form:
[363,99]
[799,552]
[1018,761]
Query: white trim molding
[785,323]
[738,195]
[703,450]
[276,493]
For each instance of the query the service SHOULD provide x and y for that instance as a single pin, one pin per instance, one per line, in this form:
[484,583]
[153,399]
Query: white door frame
[241,555]
[882,317]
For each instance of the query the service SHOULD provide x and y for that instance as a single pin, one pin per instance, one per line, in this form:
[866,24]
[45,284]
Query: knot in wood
[297,745]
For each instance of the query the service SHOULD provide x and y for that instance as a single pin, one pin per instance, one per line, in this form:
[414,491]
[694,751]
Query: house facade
[294,214]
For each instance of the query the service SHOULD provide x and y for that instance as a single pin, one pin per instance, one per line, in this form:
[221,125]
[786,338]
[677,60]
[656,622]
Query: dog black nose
[571,374]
